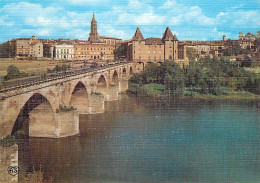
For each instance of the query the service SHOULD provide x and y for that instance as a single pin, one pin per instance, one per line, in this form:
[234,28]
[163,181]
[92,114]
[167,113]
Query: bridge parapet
[85,92]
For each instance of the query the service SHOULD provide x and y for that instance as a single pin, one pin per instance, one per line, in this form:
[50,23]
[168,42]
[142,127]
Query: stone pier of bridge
[51,109]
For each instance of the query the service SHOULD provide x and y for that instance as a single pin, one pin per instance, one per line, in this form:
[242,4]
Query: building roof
[138,35]
[175,38]
[105,37]
[150,41]
[168,34]
[64,42]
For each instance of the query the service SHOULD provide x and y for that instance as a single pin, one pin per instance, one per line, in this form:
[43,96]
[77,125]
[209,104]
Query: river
[146,140]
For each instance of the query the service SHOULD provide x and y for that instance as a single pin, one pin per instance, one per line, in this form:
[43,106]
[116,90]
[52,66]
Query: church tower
[170,45]
[93,35]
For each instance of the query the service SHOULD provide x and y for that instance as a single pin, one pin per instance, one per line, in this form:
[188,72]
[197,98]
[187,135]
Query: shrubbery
[8,141]
[207,76]
[58,68]
[13,73]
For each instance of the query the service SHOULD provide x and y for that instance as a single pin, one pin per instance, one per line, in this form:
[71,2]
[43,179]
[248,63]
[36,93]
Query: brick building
[154,50]
[27,48]
[85,50]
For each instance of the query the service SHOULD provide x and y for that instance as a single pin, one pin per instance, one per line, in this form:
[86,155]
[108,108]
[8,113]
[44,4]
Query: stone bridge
[52,108]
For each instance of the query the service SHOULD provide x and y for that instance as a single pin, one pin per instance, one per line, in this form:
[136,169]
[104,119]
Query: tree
[247,61]
[12,72]
[5,50]
[121,51]
[192,54]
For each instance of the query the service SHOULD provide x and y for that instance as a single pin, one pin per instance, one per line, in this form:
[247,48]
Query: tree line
[206,76]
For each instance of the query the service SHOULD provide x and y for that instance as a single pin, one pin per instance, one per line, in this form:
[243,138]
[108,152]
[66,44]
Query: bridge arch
[115,78]
[80,98]
[34,106]
[102,82]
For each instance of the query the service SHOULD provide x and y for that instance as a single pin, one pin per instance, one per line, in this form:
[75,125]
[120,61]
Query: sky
[188,19]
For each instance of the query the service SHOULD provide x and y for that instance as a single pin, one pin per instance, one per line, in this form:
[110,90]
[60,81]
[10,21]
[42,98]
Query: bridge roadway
[50,107]
[34,80]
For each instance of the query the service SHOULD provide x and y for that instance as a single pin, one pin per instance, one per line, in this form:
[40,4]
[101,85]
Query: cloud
[30,18]
[71,18]
[86,2]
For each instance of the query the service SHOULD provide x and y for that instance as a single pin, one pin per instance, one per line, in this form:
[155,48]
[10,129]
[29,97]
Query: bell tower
[93,35]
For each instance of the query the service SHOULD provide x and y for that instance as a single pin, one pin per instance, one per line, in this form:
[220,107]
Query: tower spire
[93,18]
[93,35]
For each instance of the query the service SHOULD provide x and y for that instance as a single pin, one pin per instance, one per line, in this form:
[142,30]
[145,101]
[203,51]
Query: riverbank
[159,91]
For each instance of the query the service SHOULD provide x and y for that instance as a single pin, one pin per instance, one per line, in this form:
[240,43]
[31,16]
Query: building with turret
[156,50]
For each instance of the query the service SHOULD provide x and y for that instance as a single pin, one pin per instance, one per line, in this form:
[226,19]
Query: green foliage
[5,50]
[58,68]
[121,51]
[65,109]
[192,54]
[209,76]
[247,61]
[232,49]
[152,89]
[8,141]
[168,74]
[12,70]
[13,73]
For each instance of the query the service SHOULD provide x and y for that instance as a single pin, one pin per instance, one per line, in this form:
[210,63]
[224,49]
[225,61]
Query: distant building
[85,50]
[154,50]
[248,36]
[64,49]
[224,38]
[206,48]
[27,48]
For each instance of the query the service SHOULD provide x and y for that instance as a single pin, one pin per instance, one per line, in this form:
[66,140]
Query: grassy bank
[159,90]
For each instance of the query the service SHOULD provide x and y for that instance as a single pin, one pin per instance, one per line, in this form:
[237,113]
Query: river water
[146,140]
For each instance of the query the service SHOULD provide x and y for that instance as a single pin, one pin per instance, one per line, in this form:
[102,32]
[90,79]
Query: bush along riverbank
[207,78]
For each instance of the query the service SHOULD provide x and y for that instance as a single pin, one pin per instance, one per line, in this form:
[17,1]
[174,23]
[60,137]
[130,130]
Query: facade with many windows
[64,49]
[85,50]
[27,48]
[155,50]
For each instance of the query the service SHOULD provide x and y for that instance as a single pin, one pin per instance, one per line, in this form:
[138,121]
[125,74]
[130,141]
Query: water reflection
[142,140]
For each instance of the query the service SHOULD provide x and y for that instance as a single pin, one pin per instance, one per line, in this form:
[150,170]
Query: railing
[36,80]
